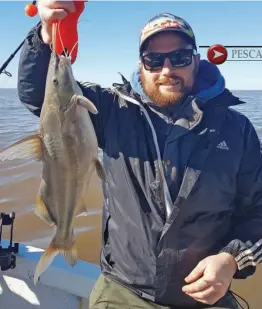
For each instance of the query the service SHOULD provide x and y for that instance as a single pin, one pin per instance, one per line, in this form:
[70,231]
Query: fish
[67,146]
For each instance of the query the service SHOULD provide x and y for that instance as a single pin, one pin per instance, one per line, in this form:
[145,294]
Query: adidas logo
[223,145]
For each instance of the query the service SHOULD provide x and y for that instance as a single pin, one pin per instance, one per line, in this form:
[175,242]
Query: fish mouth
[64,60]
[60,62]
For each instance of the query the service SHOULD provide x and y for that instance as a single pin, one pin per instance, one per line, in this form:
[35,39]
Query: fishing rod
[30,10]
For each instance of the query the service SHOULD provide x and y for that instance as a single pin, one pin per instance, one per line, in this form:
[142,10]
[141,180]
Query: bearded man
[182,213]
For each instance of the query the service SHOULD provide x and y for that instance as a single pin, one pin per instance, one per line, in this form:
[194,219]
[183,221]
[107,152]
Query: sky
[109,35]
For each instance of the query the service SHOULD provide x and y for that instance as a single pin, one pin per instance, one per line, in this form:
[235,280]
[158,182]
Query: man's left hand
[210,279]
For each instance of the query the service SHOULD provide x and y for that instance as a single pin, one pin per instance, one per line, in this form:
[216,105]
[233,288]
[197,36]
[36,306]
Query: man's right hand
[50,10]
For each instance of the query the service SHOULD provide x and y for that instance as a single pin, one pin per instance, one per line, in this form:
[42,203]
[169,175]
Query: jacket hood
[209,83]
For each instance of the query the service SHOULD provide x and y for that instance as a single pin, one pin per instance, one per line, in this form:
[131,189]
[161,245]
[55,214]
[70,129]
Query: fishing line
[73,49]
[78,40]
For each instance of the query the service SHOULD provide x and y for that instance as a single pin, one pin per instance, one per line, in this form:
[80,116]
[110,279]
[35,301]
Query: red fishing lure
[66,36]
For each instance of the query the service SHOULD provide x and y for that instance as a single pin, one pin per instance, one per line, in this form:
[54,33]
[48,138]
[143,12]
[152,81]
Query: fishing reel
[7,255]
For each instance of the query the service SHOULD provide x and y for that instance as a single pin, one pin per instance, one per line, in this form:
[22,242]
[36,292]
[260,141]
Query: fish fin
[100,170]
[29,147]
[70,255]
[81,209]
[45,261]
[83,213]
[86,103]
[41,210]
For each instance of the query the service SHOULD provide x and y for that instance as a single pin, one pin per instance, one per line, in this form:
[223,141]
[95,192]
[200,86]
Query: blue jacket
[183,182]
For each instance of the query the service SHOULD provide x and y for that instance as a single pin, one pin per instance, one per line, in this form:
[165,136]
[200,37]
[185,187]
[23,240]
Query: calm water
[19,183]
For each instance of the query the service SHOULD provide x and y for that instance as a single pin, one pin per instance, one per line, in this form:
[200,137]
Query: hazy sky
[109,33]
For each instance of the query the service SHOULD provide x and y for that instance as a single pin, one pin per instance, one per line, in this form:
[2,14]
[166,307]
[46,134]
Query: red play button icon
[217,54]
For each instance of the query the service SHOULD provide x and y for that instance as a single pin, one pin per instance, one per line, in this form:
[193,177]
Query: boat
[59,287]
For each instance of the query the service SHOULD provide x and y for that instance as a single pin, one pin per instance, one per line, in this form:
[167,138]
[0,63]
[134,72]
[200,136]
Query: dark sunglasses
[178,58]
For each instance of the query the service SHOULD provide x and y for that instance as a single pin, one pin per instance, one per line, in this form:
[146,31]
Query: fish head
[60,83]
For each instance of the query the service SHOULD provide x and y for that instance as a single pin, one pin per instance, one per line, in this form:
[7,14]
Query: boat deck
[60,286]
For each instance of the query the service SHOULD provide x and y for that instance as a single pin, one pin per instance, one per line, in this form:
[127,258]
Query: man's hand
[210,279]
[50,10]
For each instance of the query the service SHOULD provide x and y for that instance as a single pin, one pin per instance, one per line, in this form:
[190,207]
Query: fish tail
[45,261]
[69,252]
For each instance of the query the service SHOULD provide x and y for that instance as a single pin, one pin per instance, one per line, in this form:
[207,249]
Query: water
[252,108]
[19,183]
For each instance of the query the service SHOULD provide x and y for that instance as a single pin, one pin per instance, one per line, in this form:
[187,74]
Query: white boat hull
[60,286]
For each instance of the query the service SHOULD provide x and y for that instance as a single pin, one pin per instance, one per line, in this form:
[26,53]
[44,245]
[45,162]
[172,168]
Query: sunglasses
[178,58]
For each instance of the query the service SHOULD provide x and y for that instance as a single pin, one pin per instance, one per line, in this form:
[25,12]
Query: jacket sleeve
[246,235]
[32,71]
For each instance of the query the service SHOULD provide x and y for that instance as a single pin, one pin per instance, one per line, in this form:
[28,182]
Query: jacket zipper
[167,197]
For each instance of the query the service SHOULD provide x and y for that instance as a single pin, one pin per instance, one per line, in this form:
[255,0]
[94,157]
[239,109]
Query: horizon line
[230,89]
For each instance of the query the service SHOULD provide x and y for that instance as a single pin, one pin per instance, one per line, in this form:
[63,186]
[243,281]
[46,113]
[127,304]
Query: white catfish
[67,146]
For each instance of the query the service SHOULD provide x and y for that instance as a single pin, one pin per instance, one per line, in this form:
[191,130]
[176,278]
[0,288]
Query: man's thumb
[197,272]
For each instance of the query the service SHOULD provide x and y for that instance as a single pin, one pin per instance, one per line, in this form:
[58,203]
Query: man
[182,213]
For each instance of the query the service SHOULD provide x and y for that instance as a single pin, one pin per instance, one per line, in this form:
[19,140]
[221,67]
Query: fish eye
[55,81]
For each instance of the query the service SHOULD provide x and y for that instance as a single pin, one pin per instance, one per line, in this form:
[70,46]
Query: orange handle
[67,36]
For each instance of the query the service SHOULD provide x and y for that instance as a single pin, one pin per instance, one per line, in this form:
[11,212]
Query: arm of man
[32,72]
[246,235]
[211,278]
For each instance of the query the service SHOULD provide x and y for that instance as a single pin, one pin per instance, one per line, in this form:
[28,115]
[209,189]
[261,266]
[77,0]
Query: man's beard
[167,98]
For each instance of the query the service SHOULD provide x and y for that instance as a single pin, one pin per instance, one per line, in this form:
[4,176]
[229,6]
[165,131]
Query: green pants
[107,294]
